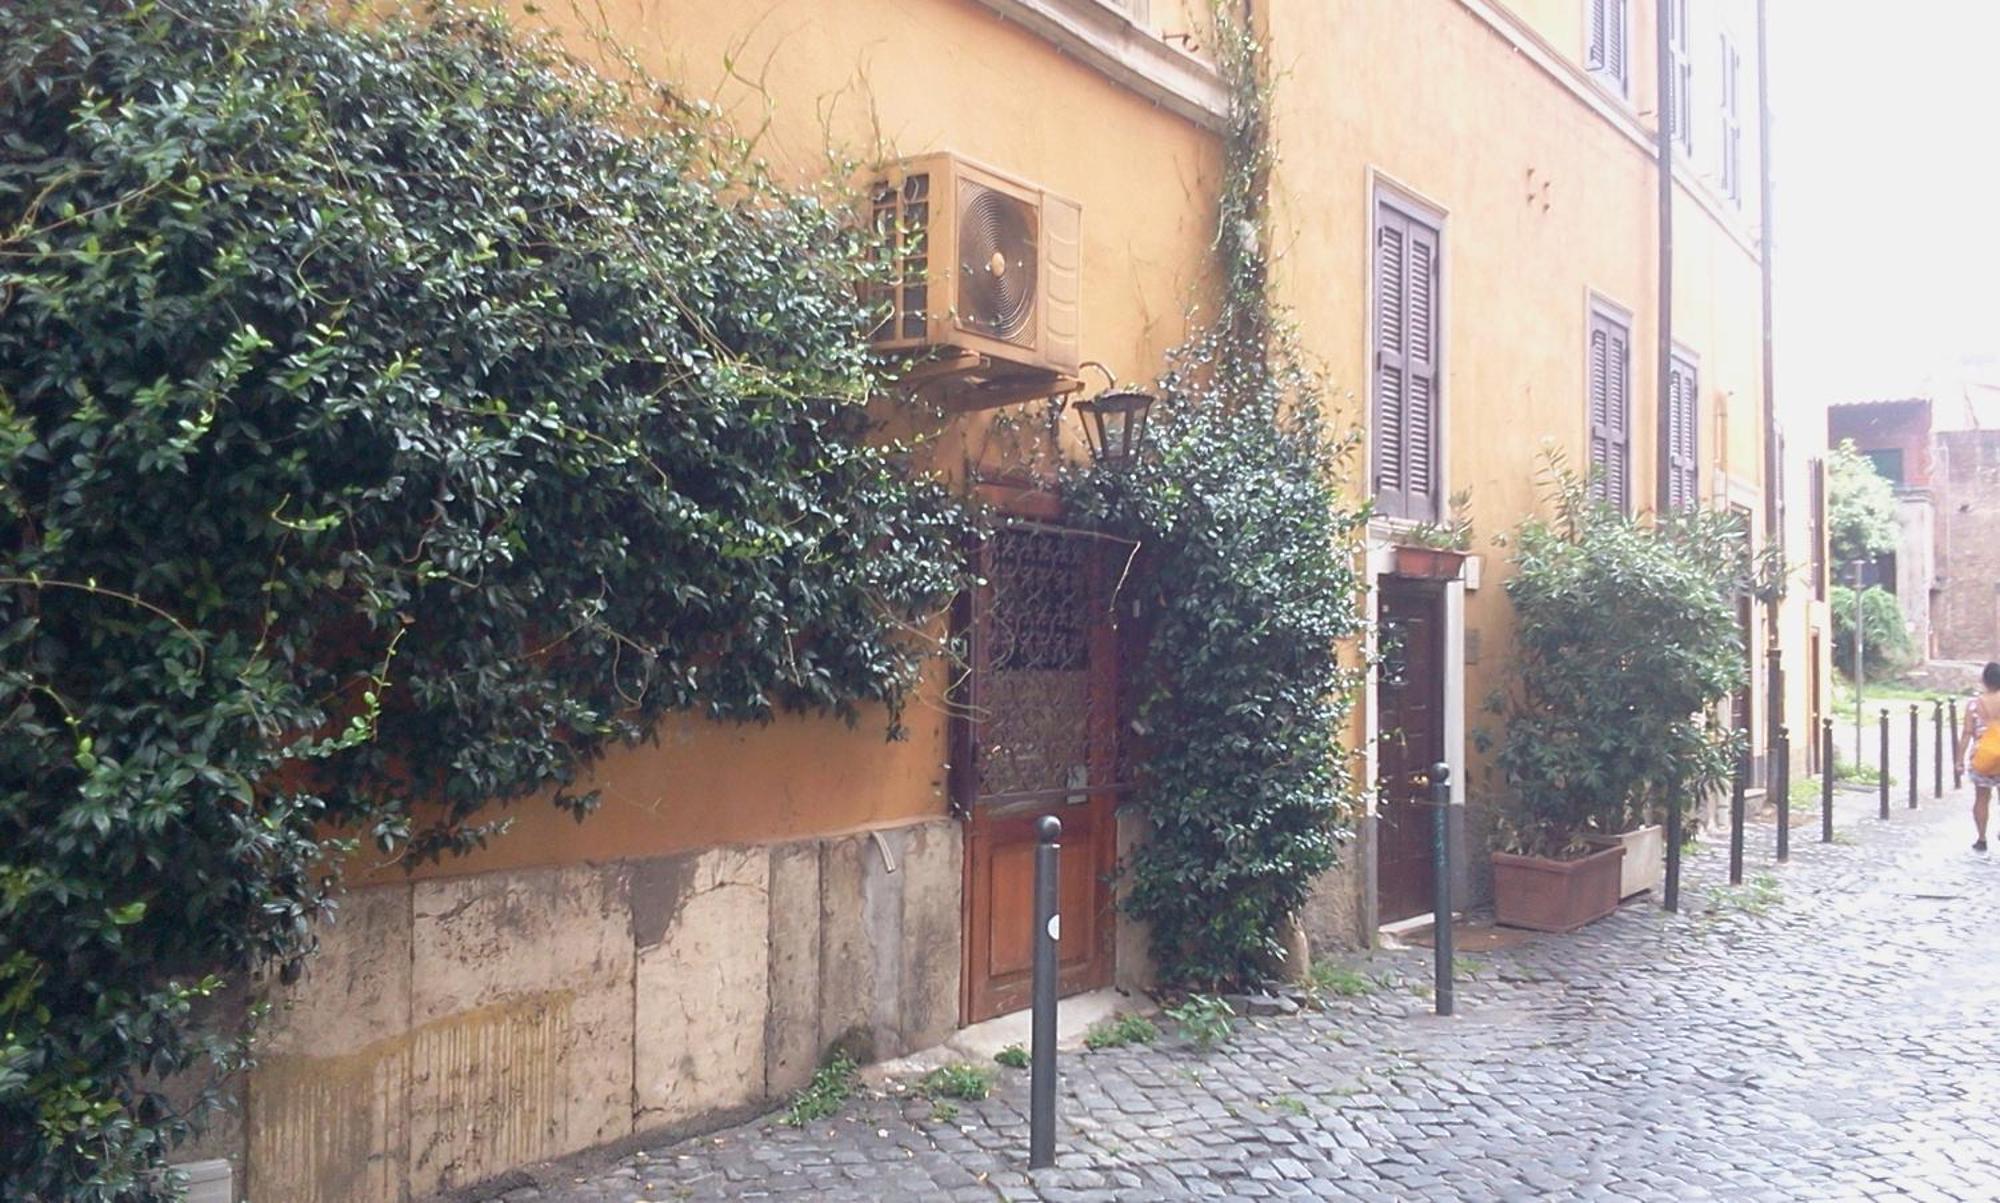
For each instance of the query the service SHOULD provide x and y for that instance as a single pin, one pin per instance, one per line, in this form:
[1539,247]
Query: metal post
[1883,763]
[1937,747]
[1048,929]
[1860,674]
[1441,883]
[1826,781]
[1915,772]
[1957,779]
[1782,767]
[1670,896]
[1736,819]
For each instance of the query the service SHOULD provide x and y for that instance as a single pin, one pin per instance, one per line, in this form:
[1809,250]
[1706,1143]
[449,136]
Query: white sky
[1886,166]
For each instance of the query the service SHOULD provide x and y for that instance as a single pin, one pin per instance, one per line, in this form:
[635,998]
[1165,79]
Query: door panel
[1037,737]
[1409,694]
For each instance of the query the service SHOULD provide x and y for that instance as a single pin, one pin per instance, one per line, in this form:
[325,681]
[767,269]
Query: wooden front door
[1038,733]
[1409,692]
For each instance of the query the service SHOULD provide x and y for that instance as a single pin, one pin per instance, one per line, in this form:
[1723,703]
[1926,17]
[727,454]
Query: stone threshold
[978,1043]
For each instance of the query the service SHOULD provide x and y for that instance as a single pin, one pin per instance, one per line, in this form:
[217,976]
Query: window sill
[1110,42]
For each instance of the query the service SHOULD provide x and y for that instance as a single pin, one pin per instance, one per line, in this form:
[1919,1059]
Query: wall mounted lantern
[1115,424]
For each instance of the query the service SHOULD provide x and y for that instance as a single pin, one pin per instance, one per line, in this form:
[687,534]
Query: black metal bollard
[1937,747]
[1670,894]
[1957,771]
[1736,787]
[1882,787]
[1915,773]
[1826,781]
[1782,762]
[1441,884]
[1048,929]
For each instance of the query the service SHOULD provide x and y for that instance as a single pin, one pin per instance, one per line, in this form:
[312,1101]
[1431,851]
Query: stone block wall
[453,1029]
[1967,614]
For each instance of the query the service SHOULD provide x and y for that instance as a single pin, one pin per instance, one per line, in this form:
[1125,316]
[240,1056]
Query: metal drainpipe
[1663,107]
[1774,534]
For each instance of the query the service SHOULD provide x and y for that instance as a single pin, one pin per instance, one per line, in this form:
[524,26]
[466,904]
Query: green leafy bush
[1251,579]
[1885,637]
[1627,644]
[391,418]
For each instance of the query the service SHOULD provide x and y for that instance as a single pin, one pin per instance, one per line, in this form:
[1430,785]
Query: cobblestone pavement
[1819,1033]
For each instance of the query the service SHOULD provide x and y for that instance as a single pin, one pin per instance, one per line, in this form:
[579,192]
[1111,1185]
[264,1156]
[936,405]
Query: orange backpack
[1986,753]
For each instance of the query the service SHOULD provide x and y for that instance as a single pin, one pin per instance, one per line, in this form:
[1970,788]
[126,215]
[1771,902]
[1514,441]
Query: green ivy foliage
[391,418]
[1250,562]
[1885,635]
[1626,648]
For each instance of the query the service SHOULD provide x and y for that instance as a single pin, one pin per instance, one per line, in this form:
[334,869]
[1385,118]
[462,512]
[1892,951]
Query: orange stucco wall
[1547,201]
[880,79]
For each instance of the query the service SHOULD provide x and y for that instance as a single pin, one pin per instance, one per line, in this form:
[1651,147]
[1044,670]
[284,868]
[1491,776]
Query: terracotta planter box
[1645,863]
[1429,563]
[1555,895]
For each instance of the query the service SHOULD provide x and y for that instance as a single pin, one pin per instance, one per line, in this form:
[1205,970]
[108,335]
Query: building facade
[1467,207]
[1940,460]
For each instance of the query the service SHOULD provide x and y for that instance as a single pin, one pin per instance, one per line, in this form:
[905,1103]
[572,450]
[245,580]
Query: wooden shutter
[1683,439]
[1406,365]
[1596,57]
[1392,238]
[1614,40]
[1610,411]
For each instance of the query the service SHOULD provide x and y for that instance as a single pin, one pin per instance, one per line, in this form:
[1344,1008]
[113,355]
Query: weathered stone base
[453,1029]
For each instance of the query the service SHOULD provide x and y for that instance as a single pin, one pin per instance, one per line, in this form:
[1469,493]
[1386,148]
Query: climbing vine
[392,417]
[1250,568]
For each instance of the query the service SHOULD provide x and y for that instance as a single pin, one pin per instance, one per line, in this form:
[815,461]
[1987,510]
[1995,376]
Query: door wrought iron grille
[1040,713]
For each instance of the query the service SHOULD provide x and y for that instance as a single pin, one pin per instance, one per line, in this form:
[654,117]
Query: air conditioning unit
[985,265]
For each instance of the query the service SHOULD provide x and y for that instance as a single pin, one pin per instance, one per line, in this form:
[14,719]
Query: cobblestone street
[1819,1033]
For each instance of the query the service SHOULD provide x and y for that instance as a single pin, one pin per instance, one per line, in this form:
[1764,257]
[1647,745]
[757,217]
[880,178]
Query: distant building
[1942,454]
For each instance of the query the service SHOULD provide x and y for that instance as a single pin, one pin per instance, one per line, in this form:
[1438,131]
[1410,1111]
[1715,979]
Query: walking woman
[1982,738]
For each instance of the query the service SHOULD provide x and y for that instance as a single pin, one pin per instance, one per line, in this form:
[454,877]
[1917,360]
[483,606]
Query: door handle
[1420,780]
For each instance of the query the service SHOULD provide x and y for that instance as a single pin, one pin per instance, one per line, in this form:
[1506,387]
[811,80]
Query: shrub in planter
[1626,644]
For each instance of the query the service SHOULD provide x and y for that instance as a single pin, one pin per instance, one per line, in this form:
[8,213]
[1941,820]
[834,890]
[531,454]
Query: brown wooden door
[1409,693]
[1037,737]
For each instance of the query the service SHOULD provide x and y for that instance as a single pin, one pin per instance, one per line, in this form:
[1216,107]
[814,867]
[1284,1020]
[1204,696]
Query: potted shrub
[1436,551]
[1627,645]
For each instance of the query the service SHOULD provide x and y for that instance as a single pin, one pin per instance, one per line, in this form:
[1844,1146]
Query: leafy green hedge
[1626,648]
[391,418]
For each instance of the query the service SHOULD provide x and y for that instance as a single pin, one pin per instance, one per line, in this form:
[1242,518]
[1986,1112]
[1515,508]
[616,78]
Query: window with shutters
[1680,76]
[1611,409]
[1732,123]
[1683,435]
[1407,276]
[1608,55]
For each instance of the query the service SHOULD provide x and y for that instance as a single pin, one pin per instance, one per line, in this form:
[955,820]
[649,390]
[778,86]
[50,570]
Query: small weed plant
[1013,1057]
[1120,1031]
[1287,1104]
[1756,897]
[1205,1019]
[944,1111]
[958,1081]
[832,1084]
[1330,980]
